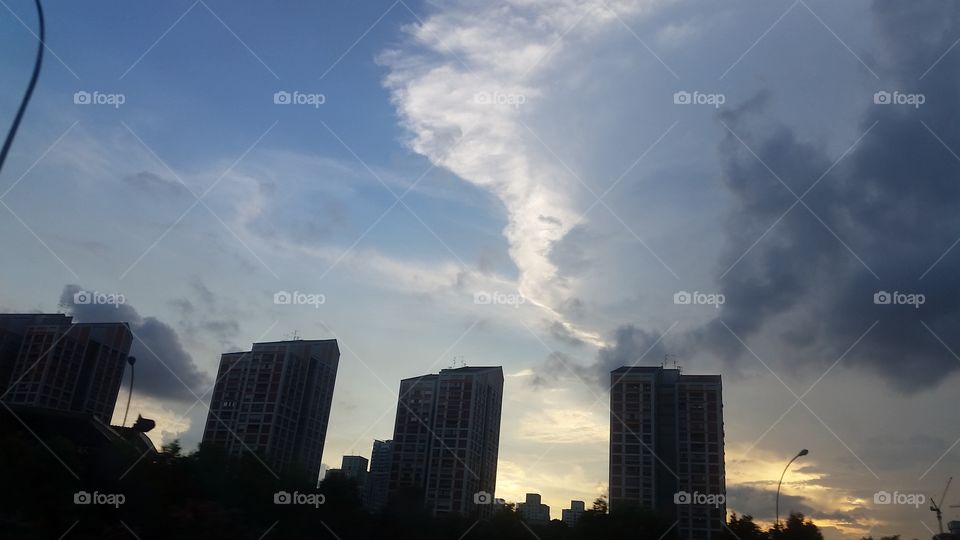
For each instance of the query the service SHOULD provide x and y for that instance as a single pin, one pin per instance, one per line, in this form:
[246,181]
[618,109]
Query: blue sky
[541,156]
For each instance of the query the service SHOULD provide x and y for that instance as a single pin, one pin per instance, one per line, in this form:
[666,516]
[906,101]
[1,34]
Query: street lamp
[799,454]
[130,360]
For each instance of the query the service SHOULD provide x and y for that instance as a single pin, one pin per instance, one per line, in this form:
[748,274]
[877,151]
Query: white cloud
[466,88]
[564,426]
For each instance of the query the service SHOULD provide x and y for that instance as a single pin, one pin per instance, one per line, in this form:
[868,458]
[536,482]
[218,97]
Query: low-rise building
[533,511]
[573,514]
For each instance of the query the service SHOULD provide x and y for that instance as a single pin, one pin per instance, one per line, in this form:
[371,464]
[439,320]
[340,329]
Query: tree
[600,505]
[796,528]
[743,528]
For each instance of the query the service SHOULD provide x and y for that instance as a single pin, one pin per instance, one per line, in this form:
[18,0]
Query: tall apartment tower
[666,447]
[275,400]
[48,361]
[446,439]
[378,481]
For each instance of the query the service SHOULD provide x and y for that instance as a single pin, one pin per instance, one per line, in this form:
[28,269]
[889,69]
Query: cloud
[866,226]
[164,369]
[564,426]
[465,86]
[205,314]
[878,213]
[152,184]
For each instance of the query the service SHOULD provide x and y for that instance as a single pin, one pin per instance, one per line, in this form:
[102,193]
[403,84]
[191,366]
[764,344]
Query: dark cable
[26,97]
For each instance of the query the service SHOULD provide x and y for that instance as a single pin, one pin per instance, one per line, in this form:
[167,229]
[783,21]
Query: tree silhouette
[796,528]
[743,528]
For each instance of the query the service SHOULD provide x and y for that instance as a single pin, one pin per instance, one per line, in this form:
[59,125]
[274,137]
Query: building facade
[666,447]
[446,440]
[275,400]
[378,480]
[533,511]
[570,516]
[48,361]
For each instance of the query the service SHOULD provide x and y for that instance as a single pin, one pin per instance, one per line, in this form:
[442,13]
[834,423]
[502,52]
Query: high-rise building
[446,440]
[275,400]
[378,481]
[354,467]
[533,511]
[48,361]
[666,447]
[570,516]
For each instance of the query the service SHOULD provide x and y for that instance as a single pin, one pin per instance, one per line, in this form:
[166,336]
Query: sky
[760,189]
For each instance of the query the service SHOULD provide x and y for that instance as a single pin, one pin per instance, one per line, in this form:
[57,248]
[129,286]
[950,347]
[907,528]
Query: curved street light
[799,454]
[130,360]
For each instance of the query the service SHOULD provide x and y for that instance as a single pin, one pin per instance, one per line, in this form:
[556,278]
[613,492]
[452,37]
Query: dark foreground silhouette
[57,488]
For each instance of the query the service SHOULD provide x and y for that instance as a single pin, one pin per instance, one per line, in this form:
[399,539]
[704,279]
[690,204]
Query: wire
[26,97]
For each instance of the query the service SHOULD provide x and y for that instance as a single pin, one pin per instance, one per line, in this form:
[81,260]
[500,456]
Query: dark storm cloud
[879,218]
[762,505]
[155,344]
[876,222]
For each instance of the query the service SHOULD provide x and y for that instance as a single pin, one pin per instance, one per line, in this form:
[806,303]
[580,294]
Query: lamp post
[799,454]
[37,63]
[130,360]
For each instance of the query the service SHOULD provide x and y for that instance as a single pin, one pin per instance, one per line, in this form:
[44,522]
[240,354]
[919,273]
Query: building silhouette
[533,511]
[666,447]
[355,468]
[446,440]
[275,400]
[570,516]
[378,481]
[48,361]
